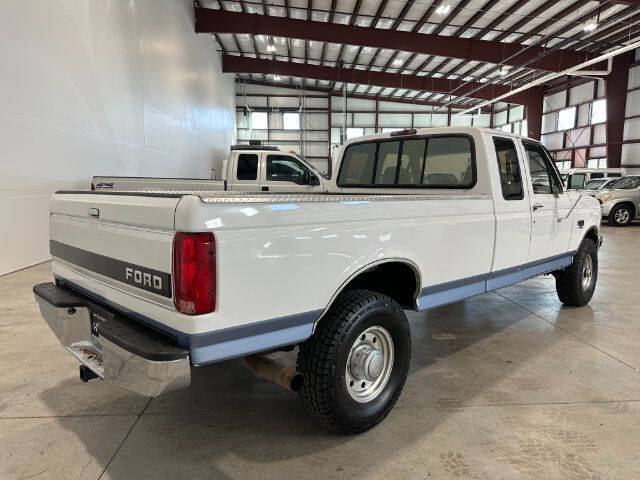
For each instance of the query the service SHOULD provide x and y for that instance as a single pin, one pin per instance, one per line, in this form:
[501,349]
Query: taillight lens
[194,272]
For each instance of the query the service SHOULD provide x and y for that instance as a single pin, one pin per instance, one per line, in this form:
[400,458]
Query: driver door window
[283,168]
[543,176]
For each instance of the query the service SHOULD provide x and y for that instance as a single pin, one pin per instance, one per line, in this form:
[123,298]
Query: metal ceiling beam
[358,96]
[236,64]
[219,21]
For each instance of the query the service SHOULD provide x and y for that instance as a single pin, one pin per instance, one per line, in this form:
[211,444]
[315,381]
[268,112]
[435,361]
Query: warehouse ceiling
[443,52]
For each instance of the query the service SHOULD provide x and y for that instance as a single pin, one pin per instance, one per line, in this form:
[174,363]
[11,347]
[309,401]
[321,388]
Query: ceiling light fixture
[504,71]
[271,48]
[590,27]
[443,9]
[397,62]
[277,78]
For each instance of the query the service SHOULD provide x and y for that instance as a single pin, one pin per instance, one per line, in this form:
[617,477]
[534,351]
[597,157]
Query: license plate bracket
[96,319]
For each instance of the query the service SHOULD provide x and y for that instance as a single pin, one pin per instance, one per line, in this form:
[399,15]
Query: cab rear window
[443,161]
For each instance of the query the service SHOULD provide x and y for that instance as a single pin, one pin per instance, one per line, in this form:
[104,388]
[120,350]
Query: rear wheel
[356,363]
[576,283]
[621,215]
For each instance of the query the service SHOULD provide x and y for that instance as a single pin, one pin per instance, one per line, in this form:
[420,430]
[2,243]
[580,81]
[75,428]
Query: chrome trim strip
[260,197]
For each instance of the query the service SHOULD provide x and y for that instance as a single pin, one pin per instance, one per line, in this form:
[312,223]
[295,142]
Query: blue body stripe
[257,337]
[444,293]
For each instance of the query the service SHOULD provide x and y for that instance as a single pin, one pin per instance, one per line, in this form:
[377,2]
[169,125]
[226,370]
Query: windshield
[312,167]
[594,184]
[627,183]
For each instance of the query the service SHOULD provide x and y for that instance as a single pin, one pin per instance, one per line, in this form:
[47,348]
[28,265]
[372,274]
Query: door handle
[265,189]
[537,206]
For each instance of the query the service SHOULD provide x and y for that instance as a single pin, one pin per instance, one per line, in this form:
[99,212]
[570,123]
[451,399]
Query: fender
[369,266]
[592,231]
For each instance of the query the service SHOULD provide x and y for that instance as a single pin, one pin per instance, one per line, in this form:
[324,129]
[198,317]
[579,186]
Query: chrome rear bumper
[118,350]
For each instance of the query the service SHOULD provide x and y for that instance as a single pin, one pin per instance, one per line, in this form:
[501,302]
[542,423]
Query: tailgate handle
[93,212]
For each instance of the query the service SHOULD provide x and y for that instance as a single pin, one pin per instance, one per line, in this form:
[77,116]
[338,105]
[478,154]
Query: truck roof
[233,148]
[432,131]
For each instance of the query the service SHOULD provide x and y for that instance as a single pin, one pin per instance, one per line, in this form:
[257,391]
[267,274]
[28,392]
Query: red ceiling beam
[359,96]
[219,21]
[237,64]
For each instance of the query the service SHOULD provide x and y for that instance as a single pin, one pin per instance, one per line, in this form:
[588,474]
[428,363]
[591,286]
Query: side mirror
[306,177]
[313,180]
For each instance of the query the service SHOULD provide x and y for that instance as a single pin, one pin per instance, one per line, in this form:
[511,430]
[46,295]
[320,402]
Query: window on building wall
[259,120]
[506,128]
[567,118]
[389,130]
[291,121]
[523,128]
[564,165]
[354,132]
[597,163]
[599,111]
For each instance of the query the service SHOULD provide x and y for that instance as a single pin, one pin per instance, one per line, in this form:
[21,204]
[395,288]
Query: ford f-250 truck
[150,285]
[248,168]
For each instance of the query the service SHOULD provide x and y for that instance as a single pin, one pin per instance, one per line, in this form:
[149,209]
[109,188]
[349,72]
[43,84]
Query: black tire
[323,358]
[569,281]
[617,216]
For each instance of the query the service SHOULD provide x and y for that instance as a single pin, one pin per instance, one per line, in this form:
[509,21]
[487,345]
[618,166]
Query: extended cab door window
[247,166]
[509,168]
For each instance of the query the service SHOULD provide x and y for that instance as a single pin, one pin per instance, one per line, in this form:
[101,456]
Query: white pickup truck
[248,168]
[150,285]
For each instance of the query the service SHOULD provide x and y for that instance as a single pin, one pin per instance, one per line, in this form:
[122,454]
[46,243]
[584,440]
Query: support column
[533,112]
[616,95]
[375,125]
[329,157]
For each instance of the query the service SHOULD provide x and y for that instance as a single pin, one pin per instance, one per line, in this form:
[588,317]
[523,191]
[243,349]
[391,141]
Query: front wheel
[620,215]
[356,362]
[576,283]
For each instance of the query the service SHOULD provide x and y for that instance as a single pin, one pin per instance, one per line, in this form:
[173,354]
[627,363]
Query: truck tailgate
[122,241]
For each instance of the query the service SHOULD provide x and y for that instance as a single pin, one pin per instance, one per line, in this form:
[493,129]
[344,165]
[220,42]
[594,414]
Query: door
[550,229]
[513,213]
[285,173]
[246,173]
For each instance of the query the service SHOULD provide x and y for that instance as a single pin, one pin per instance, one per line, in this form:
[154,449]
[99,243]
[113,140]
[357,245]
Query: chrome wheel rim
[369,364]
[622,215]
[587,272]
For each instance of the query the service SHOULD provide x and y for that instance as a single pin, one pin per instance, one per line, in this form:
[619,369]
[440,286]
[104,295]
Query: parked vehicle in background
[148,286]
[621,202]
[578,177]
[248,168]
[592,187]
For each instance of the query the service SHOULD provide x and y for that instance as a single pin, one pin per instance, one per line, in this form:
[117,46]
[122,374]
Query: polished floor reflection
[505,385]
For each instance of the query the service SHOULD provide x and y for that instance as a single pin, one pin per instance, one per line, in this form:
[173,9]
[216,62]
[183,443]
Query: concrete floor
[502,386]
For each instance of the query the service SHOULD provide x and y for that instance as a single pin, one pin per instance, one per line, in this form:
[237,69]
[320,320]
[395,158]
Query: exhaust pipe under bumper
[271,370]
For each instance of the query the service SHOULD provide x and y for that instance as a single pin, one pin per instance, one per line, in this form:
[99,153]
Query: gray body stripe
[232,342]
[444,293]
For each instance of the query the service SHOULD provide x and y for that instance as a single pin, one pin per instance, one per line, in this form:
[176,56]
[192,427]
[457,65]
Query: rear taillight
[93,187]
[194,272]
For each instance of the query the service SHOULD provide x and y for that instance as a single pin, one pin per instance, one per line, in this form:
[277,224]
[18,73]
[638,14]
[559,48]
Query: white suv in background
[621,203]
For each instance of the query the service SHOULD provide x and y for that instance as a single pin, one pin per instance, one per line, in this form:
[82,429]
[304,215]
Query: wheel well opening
[593,235]
[629,205]
[395,279]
